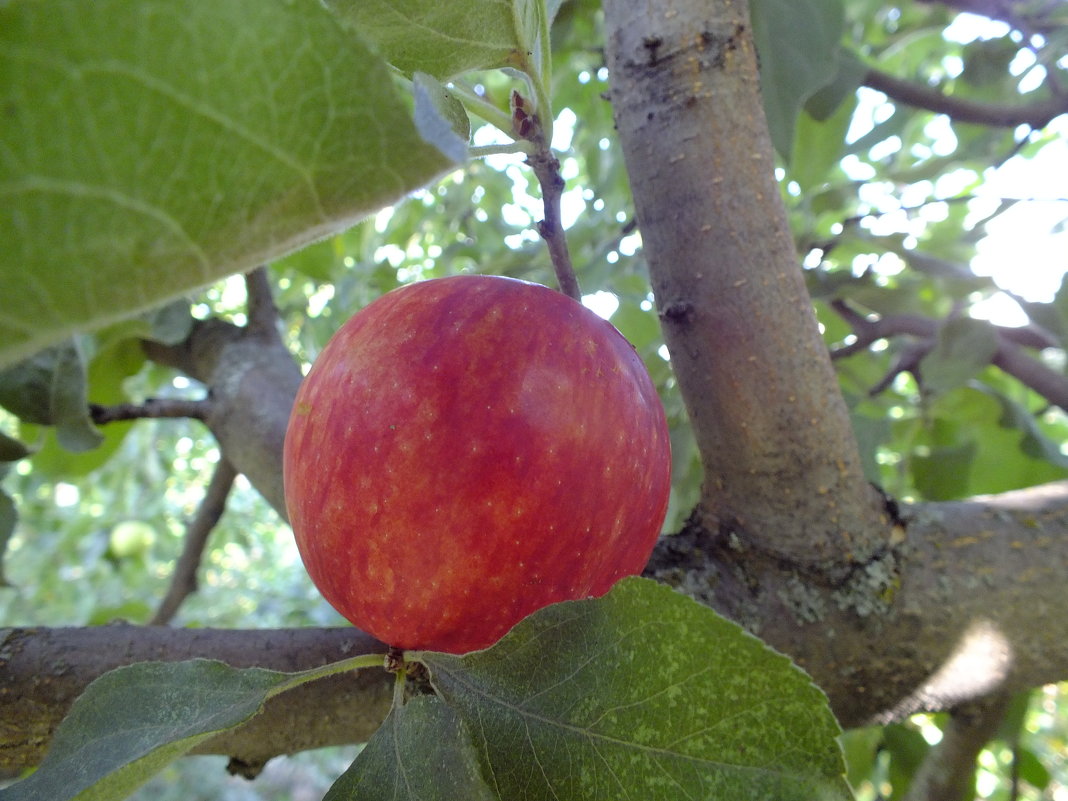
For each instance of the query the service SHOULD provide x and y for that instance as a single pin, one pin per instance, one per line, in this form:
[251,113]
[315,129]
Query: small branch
[184,580]
[948,771]
[262,313]
[1009,357]
[151,408]
[546,167]
[908,361]
[1037,115]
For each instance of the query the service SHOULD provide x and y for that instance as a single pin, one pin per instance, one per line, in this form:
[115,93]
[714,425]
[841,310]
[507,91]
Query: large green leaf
[153,146]
[798,45]
[421,752]
[643,693]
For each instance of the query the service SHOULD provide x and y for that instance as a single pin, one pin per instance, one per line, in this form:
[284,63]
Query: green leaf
[798,45]
[642,693]
[132,721]
[440,117]
[964,347]
[70,404]
[50,389]
[153,147]
[441,39]
[421,752]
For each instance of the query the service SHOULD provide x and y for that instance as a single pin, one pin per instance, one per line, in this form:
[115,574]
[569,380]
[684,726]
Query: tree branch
[45,670]
[262,313]
[745,346]
[969,602]
[253,380]
[1050,384]
[948,771]
[184,580]
[151,408]
[1037,115]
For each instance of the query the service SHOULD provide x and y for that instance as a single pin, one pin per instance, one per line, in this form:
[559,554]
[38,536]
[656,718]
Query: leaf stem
[398,688]
[493,150]
[330,669]
[481,107]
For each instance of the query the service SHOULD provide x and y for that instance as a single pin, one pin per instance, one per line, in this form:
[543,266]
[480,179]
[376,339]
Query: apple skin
[467,450]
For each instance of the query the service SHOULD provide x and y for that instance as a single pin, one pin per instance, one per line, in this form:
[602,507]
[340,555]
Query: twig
[1037,115]
[1009,357]
[184,580]
[546,167]
[151,408]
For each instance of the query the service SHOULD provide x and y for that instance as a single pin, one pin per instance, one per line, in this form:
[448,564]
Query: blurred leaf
[860,747]
[978,442]
[797,41]
[130,612]
[50,389]
[132,721]
[1034,442]
[151,148]
[440,117]
[8,518]
[442,39]
[70,404]
[964,347]
[943,474]
[871,432]
[11,449]
[829,99]
[907,750]
[641,328]
[1030,768]
[421,752]
[594,699]
[818,146]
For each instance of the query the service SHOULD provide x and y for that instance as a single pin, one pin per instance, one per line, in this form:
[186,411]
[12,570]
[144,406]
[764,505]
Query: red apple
[468,450]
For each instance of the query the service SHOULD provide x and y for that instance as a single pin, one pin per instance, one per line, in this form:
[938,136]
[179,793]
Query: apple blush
[468,450]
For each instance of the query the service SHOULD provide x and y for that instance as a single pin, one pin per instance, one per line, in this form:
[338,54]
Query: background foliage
[895,209]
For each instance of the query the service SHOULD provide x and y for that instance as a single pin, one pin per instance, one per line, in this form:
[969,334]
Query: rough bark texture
[888,615]
[782,470]
[42,672]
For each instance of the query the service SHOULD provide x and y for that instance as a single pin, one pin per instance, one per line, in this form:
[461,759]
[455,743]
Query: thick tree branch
[782,469]
[970,602]
[253,380]
[1037,114]
[210,511]
[43,670]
